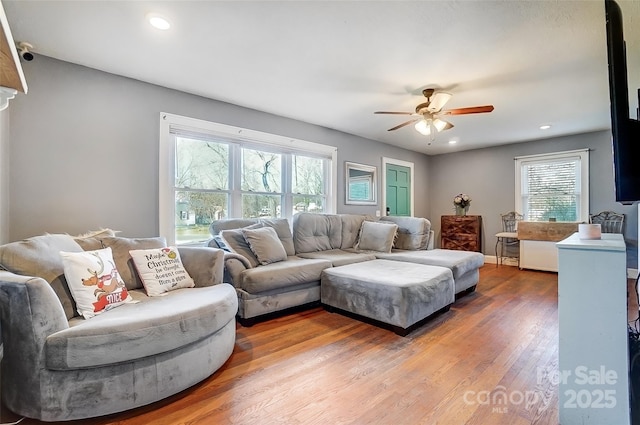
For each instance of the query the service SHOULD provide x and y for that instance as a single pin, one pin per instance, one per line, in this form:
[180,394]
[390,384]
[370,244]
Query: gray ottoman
[392,292]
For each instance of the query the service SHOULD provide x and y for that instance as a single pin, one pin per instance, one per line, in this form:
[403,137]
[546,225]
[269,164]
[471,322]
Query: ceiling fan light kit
[428,122]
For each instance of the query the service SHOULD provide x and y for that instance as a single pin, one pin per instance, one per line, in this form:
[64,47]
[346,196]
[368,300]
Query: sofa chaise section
[465,265]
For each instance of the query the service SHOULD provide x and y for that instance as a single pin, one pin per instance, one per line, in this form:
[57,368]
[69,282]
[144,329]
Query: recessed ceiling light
[157,21]
[453,142]
[545,127]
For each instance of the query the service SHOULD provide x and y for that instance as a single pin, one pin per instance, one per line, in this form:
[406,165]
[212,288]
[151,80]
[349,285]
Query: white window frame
[583,183]
[249,138]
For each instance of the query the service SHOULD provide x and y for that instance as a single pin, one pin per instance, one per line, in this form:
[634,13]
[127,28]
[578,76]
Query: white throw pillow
[161,270]
[94,281]
[376,236]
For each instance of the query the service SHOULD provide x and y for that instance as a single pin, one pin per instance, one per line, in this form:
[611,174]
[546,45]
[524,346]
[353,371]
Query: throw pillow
[281,225]
[376,236]
[236,242]
[161,270]
[94,281]
[40,256]
[121,247]
[265,245]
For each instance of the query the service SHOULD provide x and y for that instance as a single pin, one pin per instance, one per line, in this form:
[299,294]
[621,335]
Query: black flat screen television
[625,130]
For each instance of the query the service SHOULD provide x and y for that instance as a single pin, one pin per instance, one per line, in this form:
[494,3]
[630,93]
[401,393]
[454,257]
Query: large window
[210,171]
[553,186]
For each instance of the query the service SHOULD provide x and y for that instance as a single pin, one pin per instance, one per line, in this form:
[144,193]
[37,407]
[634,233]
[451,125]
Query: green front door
[398,190]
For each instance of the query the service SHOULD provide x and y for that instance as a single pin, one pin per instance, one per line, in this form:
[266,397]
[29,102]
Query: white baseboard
[507,261]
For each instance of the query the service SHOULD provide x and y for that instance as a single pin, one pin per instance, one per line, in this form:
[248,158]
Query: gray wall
[84,150]
[84,154]
[488,176]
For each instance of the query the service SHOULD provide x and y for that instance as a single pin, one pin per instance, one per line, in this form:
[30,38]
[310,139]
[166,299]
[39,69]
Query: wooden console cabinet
[538,243]
[461,232]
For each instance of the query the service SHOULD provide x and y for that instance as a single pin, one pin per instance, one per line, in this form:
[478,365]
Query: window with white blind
[553,186]
[210,171]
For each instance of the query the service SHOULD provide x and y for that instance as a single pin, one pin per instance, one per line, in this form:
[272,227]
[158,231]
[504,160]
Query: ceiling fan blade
[394,113]
[470,110]
[404,123]
[438,101]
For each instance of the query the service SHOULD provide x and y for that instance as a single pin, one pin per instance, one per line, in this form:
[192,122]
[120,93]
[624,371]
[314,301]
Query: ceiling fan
[427,114]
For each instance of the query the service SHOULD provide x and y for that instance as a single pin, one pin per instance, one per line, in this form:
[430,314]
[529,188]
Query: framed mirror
[360,184]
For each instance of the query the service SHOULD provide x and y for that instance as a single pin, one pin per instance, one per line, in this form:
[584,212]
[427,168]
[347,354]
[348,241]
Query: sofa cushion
[134,331]
[376,236]
[94,281]
[339,257]
[351,224]
[234,239]
[413,232]
[121,247]
[293,271]
[265,245]
[39,256]
[161,270]
[460,262]
[316,232]
[282,228]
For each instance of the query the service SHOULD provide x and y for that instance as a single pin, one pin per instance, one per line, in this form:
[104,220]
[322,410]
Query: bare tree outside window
[262,177]
[308,184]
[202,172]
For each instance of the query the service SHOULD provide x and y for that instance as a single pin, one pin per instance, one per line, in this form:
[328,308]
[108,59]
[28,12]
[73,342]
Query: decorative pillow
[121,247]
[265,245]
[282,228]
[94,281]
[161,270]
[376,236]
[40,256]
[236,242]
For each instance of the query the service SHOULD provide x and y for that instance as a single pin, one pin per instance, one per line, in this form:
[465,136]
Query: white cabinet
[592,313]
[539,255]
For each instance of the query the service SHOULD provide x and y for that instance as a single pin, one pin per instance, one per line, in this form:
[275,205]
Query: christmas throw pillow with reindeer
[94,281]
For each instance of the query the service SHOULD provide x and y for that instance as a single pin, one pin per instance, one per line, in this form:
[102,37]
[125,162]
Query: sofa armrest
[205,265]
[30,311]
[234,265]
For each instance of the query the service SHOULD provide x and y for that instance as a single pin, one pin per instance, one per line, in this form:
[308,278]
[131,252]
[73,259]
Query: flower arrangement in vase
[461,203]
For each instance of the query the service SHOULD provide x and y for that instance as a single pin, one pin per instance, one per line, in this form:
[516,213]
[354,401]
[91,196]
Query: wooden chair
[507,240]
[610,222]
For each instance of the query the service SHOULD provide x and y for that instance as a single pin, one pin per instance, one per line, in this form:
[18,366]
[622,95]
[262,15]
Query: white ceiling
[333,63]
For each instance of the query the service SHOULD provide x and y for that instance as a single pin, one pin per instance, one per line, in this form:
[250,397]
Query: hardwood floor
[488,360]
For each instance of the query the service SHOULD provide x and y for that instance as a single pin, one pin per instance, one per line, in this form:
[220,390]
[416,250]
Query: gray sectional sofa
[318,242]
[59,366]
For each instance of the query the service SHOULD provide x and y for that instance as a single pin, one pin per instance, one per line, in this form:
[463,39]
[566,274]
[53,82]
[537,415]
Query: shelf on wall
[12,78]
